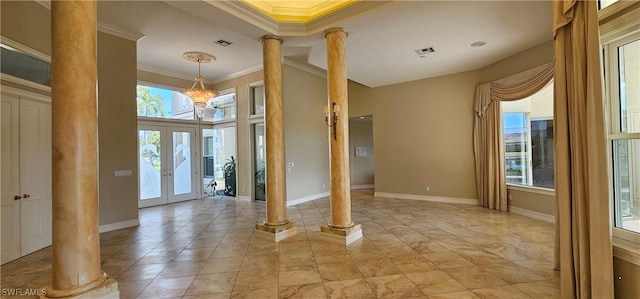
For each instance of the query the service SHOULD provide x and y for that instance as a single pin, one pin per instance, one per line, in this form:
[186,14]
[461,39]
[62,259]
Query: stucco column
[338,109]
[76,241]
[276,223]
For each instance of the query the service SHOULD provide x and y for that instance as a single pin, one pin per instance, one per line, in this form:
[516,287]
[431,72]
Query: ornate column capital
[269,36]
[335,30]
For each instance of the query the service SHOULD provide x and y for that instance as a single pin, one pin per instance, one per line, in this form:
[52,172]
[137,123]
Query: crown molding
[126,34]
[257,18]
[344,15]
[247,13]
[239,74]
[150,69]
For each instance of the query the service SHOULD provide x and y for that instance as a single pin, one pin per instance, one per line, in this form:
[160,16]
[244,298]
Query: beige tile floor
[411,249]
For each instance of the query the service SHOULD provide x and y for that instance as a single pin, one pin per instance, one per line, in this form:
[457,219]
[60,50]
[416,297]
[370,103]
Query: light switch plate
[123,172]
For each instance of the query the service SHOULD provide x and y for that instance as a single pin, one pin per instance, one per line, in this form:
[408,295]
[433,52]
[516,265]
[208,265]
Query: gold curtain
[582,221]
[487,130]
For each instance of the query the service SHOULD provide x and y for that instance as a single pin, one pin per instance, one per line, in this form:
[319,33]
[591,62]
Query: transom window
[157,102]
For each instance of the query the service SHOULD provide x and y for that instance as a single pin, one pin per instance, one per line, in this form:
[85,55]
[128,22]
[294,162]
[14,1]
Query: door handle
[26,195]
[17,197]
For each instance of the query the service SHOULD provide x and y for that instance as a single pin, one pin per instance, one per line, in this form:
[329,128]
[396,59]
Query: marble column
[277,227]
[340,229]
[76,268]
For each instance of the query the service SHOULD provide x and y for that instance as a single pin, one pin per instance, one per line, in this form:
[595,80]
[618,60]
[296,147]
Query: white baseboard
[307,198]
[244,197]
[466,201]
[533,214]
[368,186]
[118,225]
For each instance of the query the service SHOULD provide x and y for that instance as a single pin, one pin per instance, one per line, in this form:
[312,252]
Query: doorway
[167,170]
[362,152]
[26,175]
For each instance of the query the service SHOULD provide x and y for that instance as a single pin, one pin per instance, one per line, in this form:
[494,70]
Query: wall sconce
[334,120]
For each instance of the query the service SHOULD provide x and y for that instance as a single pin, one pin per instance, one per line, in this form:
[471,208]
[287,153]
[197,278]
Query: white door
[181,174]
[26,176]
[167,166]
[10,208]
[35,175]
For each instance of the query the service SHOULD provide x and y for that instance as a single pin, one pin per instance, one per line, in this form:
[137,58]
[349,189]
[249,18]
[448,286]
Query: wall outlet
[510,196]
[324,186]
[242,189]
[82,278]
[428,188]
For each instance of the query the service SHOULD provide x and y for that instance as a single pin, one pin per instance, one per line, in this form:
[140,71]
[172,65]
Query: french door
[167,170]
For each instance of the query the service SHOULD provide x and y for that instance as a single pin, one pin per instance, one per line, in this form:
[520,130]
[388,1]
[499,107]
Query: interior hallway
[207,249]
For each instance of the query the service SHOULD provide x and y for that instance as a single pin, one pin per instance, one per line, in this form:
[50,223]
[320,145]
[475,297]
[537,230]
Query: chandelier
[198,93]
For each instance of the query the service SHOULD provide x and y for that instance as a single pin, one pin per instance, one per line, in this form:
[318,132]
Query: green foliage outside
[151,137]
[148,104]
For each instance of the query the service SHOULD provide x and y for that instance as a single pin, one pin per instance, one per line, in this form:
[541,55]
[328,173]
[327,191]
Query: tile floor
[411,249]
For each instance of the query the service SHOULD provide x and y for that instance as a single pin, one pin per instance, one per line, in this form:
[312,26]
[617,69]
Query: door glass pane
[626,168]
[259,160]
[150,164]
[181,163]
[219,161]
[629,67]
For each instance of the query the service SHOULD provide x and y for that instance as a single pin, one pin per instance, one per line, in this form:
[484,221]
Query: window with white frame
[157,102]
[623,69]
[256,93]
[528,140]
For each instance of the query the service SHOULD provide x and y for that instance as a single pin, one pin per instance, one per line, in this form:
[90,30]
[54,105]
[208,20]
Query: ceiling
[383,36]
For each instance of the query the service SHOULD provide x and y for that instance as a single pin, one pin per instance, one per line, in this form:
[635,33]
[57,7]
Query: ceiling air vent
[425,51]
[223,42]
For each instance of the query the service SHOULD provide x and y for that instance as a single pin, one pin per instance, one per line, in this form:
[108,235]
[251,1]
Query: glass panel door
[259,162]
[167,171]
[181,174]
[151,172]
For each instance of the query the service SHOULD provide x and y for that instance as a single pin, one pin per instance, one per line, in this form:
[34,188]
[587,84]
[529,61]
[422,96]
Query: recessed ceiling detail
[297,11]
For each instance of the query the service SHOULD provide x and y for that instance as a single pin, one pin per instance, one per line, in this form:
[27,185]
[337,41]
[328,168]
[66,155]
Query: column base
[105,288]
[344,236]
[276,233]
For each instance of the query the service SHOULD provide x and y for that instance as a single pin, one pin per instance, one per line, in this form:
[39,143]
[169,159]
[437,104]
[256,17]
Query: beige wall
[527,59]
[423,135]
[116,96]
[117,128]
[28,23]
[545,204]
[626,277]
[306,135]
[361,134]
[164,81]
